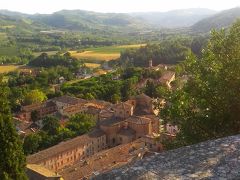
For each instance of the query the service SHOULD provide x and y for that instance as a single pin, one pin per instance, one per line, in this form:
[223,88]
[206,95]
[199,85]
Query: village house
[118,124]
[67,105]
[37,172]
[105,160]
[167,78]
[128,121]
[41,109]
[68,152]
[25,128]
[93,165]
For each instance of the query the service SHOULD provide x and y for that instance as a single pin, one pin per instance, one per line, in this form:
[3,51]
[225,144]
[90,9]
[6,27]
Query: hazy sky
[49,6]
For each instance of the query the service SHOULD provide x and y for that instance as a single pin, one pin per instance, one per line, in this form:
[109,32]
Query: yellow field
[100,72]
[92,65]
[133,46]
[8,68]
[106,53]
[95,55]
[9,27]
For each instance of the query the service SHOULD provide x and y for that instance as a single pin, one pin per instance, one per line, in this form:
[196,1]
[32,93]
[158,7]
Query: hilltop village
[123,96]
[129,129]
[124,132]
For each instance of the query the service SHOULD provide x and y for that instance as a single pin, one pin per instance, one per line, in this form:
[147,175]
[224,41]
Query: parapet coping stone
[214,160]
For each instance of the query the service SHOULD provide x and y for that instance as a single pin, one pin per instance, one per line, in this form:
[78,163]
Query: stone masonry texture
[214,160]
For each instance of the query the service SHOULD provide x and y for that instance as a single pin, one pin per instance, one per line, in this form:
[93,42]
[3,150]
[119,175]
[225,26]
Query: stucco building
[118,124]
[68,152]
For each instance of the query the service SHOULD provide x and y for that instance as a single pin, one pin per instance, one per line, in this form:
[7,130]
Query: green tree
[12,159]
[81,123]
[51,125]
[35,96]
[116,98]
[34,116]
[208,106]
[150,89]
[32,143]
[89,96]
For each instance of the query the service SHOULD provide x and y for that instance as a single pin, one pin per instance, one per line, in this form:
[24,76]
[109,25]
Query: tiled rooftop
[127,132]
[167,76]
[111,122]
[104,161]
[138,120]
[63,146]
[69,100]
[42,170]
[211,160]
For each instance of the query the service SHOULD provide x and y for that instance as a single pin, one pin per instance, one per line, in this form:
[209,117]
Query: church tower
[150,63]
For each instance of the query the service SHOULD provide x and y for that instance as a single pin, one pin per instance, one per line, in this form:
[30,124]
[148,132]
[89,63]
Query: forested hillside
[221,20]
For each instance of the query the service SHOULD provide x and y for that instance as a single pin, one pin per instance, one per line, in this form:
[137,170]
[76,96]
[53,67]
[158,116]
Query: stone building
[167,78]
[105,161]
[68,152]
[128,121]
[67,105]
[41,109]
[118,124]
[37,172]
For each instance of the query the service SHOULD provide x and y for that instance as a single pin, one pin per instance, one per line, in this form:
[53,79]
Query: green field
[48,52]
[8,51]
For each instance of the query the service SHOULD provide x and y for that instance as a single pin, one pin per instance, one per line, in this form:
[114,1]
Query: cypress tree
[12,159]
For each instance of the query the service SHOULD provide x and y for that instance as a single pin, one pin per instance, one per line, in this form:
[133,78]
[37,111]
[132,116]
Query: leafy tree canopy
[208,106]
[35,96]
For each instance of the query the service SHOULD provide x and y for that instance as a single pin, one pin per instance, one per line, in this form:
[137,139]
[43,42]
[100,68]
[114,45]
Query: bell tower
[150,63]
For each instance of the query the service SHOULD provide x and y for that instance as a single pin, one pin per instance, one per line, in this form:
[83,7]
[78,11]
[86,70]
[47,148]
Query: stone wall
[215,160]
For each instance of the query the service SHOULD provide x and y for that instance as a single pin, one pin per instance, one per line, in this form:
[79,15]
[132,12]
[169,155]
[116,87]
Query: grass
[36,54]
[8,51]
[8,68]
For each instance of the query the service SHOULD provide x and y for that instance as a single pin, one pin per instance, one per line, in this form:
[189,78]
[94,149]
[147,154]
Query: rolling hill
[222,19]
[79,20]
[175,18]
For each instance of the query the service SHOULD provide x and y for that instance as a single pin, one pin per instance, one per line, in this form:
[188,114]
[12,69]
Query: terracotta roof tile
[104,161]
[63,146]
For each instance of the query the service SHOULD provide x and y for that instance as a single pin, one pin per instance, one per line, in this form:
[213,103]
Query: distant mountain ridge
[83,20]
[175,18]
[79,20]
[198,19]
[222,19]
